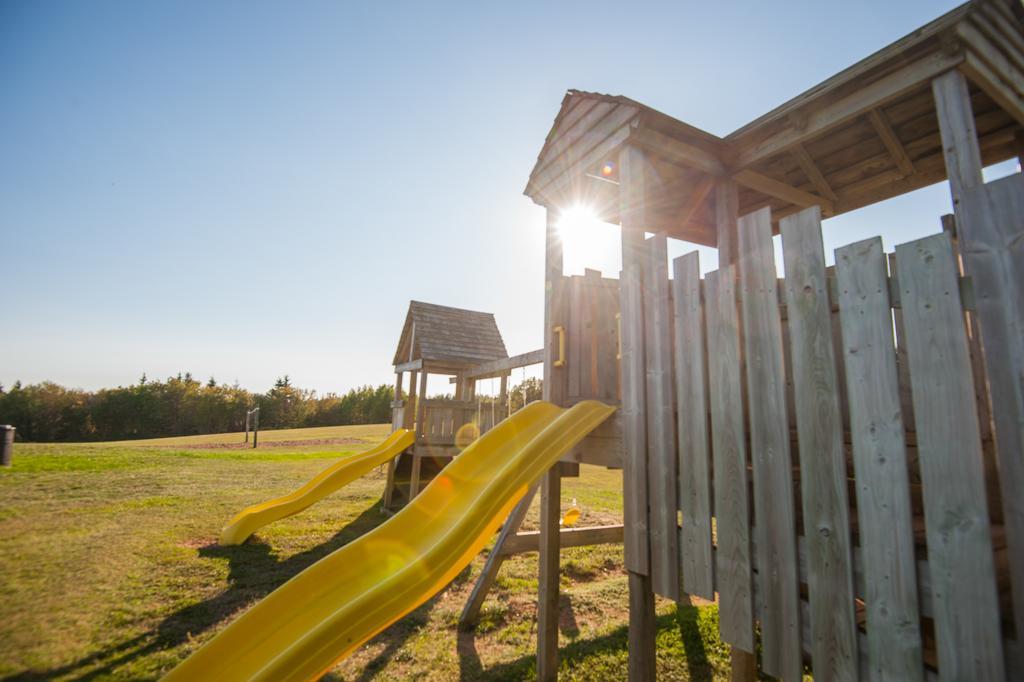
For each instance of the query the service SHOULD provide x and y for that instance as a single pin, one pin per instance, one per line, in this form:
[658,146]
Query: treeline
[180,406]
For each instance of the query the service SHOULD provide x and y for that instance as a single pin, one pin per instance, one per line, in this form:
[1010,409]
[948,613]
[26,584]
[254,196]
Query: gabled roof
[864,135]
[453,336]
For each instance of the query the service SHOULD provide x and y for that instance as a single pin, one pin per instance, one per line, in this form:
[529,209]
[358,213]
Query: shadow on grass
[253,572]
[612,647]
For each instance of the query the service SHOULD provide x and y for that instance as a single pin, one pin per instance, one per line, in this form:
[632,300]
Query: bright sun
[587,241]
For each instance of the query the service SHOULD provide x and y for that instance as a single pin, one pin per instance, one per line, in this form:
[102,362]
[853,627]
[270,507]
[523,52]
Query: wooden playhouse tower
[445,341]
[836,456]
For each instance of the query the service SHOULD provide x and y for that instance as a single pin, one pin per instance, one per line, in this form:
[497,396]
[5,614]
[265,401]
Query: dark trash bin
[6,444]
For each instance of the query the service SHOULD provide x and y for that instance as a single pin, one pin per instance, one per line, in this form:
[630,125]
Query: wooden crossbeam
[892,143]
[810,169]
[678,151]
[780,190]
[570,537]
[505,365]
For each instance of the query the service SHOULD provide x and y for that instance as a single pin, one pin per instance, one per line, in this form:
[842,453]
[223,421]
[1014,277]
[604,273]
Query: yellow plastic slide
[320,616]
[336,476]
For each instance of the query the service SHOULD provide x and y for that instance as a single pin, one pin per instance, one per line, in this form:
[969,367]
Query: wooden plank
[471,611]
[547,599]
[891,141]
[634,425]
[769,440]
[695,558]
[732,507]
[503,366]
[957,523]
[822,458]
[992,246]
[780,190]
[880,463]
[662,477]
[569,537]
[411,366]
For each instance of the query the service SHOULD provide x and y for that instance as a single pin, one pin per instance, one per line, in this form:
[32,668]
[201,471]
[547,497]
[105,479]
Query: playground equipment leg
[547,605]
[471,611]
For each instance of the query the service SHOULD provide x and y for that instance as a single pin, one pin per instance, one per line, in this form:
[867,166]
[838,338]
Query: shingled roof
[453,336]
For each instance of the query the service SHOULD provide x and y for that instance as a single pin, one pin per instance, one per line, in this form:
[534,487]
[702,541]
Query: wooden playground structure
[836,456]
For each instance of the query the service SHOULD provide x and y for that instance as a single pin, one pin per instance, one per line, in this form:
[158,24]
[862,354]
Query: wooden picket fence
[827,442]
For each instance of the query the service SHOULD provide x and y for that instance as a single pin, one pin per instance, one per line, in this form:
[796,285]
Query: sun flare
[588,242]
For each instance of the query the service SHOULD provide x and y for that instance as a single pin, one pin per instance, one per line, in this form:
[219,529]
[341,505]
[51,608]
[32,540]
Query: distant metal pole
[6,444]
[247,413]
[256,426]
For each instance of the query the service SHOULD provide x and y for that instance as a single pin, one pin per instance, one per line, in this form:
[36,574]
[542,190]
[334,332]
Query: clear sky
[249,189]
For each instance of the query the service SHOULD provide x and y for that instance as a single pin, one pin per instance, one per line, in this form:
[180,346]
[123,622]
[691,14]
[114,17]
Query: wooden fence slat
[732,509]
[769,439]
[695,557]
[992,245]
[634,419]
[822,458]
[880,464]
[965,604]
[662,478]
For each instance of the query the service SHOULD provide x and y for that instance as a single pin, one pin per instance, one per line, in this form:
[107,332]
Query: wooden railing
[457,422]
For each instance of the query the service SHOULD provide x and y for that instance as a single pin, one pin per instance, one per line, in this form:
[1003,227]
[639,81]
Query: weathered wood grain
[880,464]
[769,439]
[732,507]
[992,245]
[634,421]
[695,557]
[662,477]
[822,458]
[966,608]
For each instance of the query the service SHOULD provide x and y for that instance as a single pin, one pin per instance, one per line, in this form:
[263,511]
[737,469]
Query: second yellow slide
[336,476]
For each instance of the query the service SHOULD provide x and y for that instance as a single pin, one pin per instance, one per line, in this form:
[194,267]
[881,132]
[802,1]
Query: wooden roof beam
[892,143]
[819,120]
[780,190]
[810,169]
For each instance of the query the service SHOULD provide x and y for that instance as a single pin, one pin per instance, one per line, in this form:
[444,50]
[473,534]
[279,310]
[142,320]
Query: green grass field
[109,567]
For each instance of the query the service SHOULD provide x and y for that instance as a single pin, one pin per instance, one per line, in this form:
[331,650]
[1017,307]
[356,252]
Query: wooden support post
[548,612]
[409,413]
[634,475]
[959,135]
[414,480]
[550,502]
[726,214]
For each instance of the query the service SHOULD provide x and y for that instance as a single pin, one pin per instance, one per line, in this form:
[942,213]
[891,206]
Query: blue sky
[247,190]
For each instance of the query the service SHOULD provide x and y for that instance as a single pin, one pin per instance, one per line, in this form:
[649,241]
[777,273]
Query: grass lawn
[109,567]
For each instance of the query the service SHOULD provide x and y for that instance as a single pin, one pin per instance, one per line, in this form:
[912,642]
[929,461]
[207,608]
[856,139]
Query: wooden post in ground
[551,484]
[634,474]
[990,232]
[744,663]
